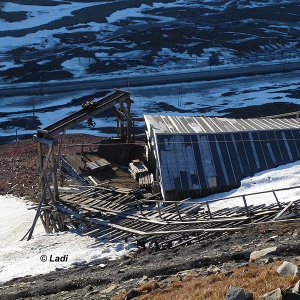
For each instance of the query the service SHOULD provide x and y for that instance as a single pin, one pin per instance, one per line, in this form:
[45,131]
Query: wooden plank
[281,213]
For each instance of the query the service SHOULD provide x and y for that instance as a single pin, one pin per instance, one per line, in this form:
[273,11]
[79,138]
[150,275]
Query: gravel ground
[19,165]
[97,282]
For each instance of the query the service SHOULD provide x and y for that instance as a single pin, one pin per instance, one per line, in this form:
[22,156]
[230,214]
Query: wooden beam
[37,214]
[54,171]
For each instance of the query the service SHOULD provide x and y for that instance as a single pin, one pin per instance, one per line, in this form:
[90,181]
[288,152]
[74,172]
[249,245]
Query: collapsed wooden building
[196,156]
[114,189]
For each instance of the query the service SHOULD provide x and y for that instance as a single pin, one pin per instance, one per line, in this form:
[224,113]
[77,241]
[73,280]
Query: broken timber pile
[140,172]
[98,165]
[69,167]
[114,215]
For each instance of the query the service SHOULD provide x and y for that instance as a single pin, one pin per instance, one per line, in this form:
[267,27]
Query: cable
[187,143]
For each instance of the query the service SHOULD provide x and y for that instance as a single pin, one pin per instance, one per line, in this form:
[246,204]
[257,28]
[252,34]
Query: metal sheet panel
[242,152]
[234,157]
[282,146]
[259,151]
[287,147]
[249,152]
[267,150]
[292,144]
[275,147]
[296,139]
[196,162]
[191,125]
[222,177]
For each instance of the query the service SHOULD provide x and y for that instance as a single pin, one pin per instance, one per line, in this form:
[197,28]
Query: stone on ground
[132,294]
[288,269]
[261,253]
[236,293]
[296,288]
[213,270]
[109,289]
[274,295]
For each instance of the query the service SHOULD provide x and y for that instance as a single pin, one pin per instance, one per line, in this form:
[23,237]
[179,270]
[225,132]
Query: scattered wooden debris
[140,172]
[98,165]
[145,180]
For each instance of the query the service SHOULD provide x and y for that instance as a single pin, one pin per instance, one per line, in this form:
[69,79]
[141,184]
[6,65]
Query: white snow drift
[21,258]
[274,179]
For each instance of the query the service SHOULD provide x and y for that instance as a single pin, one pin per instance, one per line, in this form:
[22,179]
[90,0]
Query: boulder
[171,280]
[213,270]
[274,295]
[132,294]
[296,288]
[109,289]
[235,293]
[92,293]
[268,260]
[288,269]
[261,253]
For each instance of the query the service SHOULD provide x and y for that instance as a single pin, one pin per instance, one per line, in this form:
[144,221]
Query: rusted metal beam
[83,114]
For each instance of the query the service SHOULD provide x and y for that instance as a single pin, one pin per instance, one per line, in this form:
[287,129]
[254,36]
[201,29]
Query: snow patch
[286,176]
[137,12]
[38,15]
[22,258]
[77,65]
[6,65]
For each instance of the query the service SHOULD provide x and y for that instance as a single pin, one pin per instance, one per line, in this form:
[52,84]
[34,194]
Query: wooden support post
[208,209]
[118,126]
[277,200]
[246,205]
[122,130]
[122,109]
[48,186]
[45,164]
[159,211]
[38,212]
[129,121]
[47,222]
[41,163]
[139,206]
[178,212]
[59,157]
[54,171]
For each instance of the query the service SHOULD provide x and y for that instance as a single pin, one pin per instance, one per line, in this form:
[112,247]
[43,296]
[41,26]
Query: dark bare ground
[91,281]
[264,110]
[233,29]
[19,165]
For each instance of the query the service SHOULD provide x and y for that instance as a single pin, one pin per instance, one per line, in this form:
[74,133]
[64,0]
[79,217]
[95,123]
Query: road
[153,79]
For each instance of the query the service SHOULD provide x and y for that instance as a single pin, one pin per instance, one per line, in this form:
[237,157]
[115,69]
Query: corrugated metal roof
[190,125]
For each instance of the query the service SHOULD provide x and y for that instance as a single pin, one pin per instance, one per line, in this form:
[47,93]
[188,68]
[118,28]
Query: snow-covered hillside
[38,41]
[55,40]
